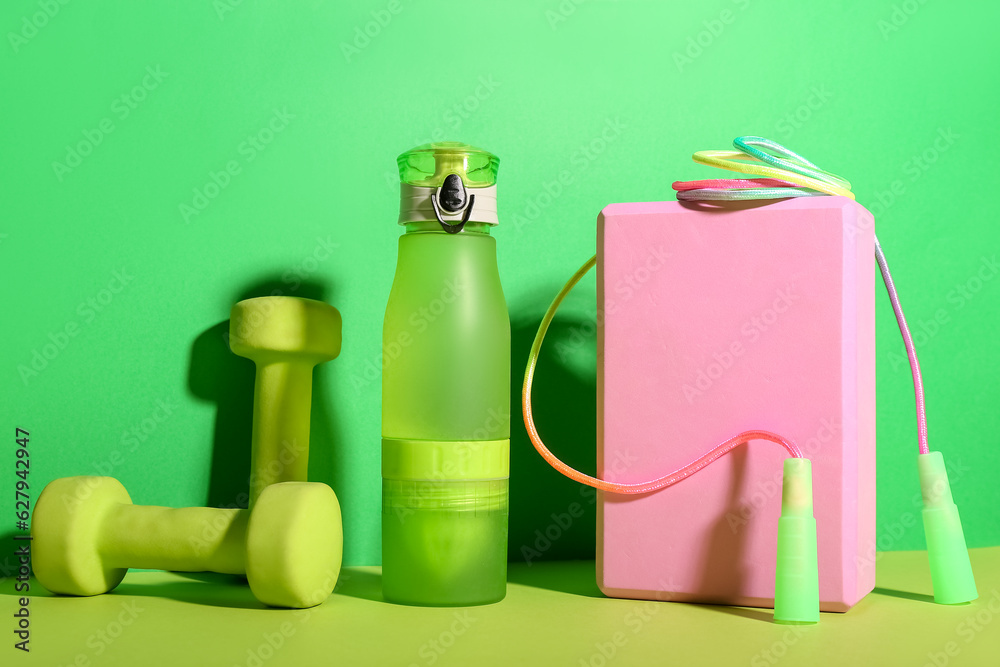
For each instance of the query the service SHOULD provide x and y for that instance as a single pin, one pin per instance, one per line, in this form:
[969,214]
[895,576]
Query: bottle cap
[448,182]
[428,165]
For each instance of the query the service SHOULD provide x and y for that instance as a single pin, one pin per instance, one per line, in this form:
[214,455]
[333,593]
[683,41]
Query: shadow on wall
[227,380]
[724,566]
[551,516]
[9,561]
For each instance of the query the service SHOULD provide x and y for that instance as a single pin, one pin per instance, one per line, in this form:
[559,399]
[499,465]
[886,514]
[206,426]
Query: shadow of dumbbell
[225,379]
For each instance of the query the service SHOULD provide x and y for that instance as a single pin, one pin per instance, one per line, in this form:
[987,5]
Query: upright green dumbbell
[285,337]
[87,533]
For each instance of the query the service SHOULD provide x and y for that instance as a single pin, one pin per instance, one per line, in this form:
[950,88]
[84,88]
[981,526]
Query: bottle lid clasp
[451,198]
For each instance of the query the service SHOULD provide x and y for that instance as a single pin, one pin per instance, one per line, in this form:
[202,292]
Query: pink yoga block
[721,318]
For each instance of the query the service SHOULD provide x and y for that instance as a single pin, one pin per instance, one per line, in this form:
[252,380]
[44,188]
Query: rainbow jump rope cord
[781,173]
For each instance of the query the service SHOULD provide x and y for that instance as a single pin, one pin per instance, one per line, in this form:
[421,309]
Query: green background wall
[124,241]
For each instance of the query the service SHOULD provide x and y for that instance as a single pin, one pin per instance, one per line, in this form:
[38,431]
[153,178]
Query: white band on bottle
[415,205]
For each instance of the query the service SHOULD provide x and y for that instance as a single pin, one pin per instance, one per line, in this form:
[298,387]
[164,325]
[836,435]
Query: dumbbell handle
[189,539]
[281,408]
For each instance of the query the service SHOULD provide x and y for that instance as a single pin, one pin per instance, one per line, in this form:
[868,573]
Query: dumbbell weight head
[295,543]
[66,527]
[271,328]
[86,532]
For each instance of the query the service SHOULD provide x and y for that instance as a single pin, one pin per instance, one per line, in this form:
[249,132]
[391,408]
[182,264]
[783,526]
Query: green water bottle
[446,387]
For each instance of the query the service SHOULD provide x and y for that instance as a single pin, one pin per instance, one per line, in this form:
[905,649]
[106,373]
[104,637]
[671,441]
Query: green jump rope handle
[951,571]
[796,580]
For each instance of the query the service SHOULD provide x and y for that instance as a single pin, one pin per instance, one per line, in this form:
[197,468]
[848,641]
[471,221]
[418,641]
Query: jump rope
[779,173]
[785,174]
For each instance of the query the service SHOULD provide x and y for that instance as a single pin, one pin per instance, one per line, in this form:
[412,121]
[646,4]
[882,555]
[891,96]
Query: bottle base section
[444,543]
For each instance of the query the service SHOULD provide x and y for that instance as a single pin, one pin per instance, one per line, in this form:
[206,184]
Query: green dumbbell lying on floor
[285,337]
[86,534]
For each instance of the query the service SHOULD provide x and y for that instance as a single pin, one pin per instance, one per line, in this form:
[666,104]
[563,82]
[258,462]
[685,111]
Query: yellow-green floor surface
[553,615]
